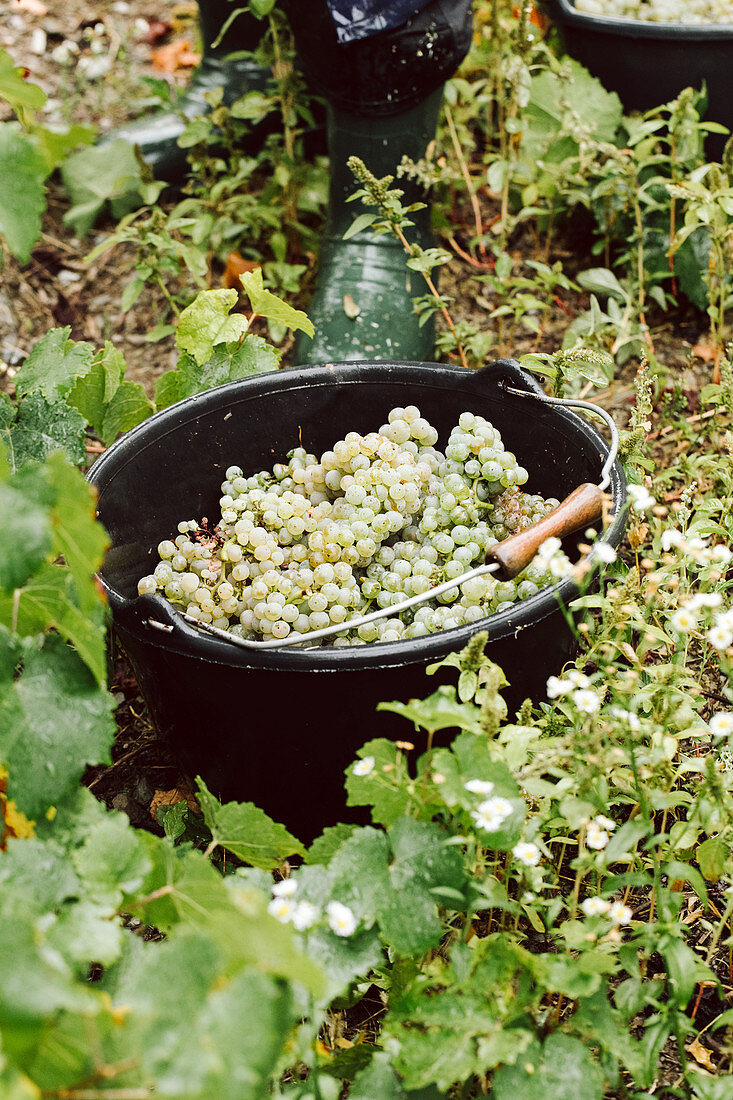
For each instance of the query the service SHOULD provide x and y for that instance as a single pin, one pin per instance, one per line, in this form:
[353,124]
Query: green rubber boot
[362,305]
[157,136]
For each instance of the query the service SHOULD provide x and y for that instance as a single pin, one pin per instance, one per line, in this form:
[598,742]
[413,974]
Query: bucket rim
[564,12]
[135,615]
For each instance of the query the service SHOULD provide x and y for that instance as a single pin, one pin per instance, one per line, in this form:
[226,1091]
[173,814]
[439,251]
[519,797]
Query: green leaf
[77,534]
[21,94]
[49,600]
[92,393]
[22,192]
[710,1088]
[468,1020]
[441,710]
[27,538]
[384,787]
[129,406]
[712,856]
[560,1068]
[363,221]
[328,843]
[599,280]
[112,861]
[195,1034]
[399,891]
[227,363]
[207,322]
[101,176]
[684,967]
[184,889]
[54,720]
[247,832]
[53,365]
[268,305]
[380,1080]
[43,428]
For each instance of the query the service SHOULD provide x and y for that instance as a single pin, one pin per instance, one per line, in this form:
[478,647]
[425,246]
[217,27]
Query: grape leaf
[44,427]
[382,787]
[21,94]
[47,600]
[77,534]
[54,720]
[561,1067]
[25,539]
[247,832]
[97,176]
[228,363]
[399,890]
[184,889]
[379,1079]
[129,406]
[112,861]
[22,192]
[268,305]
[207,322]
[53,365]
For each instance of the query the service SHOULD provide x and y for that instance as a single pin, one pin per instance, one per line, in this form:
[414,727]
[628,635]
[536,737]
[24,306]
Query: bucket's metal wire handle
[507,558]
[588,406]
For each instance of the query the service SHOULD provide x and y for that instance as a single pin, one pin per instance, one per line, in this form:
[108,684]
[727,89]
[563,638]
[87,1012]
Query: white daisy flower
[672,537]
[492,814]
[627,716]
[721,554]
[620,913]
[557,687]
[596,838]
[719,637]
[586,701]
[282,909]
[595,907]
[578,678]
[721,724]
[341,919]
[527,853]
[704,599]
[479,786]
[304,915]
[683,621]
[364,767]
[640,498]
[285,888]
[605,553]
[605,822]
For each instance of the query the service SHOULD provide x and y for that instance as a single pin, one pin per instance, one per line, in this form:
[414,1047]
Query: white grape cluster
[661,11]
[317,542]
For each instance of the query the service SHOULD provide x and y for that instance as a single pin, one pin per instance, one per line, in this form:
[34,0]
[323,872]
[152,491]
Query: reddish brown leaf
[236,265]
[174,56]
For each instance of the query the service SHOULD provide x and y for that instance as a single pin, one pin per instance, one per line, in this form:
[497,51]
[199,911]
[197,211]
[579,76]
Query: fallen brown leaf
[704,351]
[174,56]
[236,266]
[701,1055]
[170,798]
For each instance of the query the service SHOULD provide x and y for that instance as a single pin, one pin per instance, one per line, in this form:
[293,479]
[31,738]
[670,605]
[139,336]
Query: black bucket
[648,64]
[279,727]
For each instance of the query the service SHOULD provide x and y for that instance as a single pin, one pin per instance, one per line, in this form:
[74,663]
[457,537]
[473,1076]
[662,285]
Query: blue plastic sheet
[356,19]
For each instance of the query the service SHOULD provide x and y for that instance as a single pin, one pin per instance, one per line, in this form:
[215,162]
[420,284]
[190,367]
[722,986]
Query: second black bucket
[279,727]
[650,63]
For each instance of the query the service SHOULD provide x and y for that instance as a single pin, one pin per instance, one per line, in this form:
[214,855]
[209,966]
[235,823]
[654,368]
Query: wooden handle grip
[581,508]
